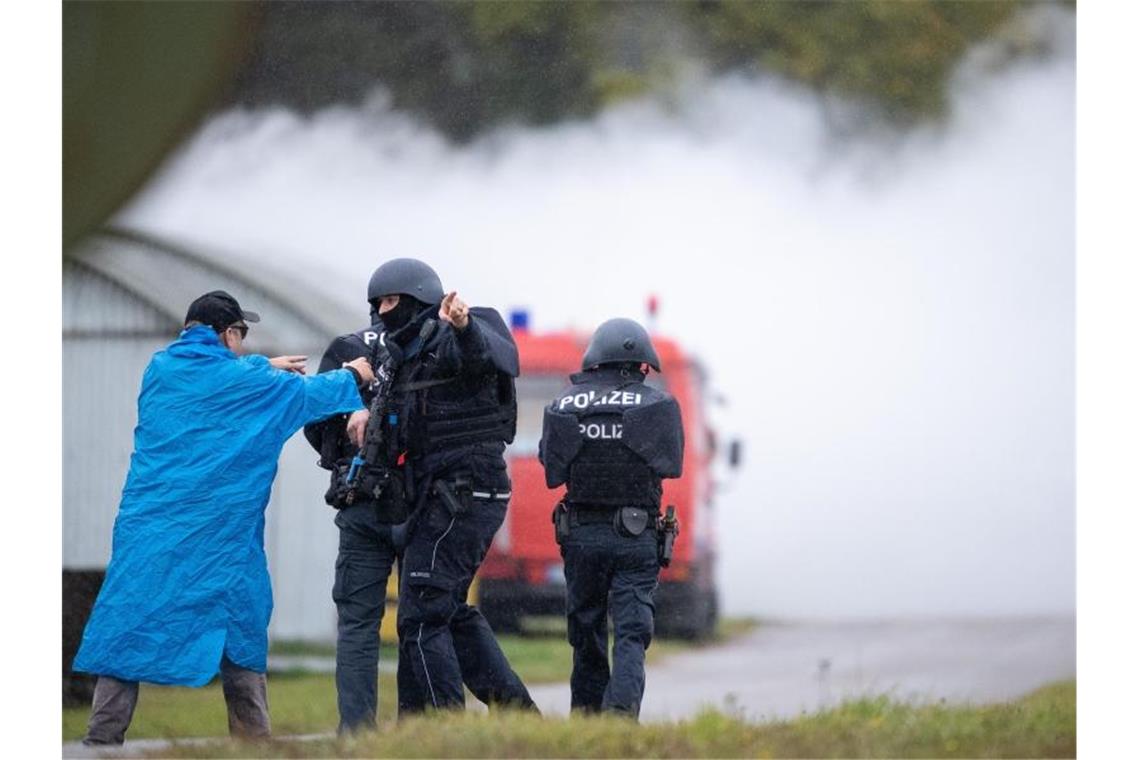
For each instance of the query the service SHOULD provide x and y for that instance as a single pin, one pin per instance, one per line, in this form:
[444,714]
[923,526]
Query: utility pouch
[631,522]
[337,494]
[370,483]
[561,519]
[330,446]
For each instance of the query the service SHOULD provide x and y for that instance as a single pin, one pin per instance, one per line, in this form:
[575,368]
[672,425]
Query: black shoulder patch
[560,444]
[500,342]
[654,433]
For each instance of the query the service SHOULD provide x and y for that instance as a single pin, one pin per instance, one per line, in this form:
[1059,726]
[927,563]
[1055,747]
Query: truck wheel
[683,612]
[701,623]
[713,610]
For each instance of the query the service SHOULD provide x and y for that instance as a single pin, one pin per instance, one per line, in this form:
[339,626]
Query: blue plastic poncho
[188,579]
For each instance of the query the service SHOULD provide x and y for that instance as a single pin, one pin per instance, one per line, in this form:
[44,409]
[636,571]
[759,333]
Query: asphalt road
[781,670]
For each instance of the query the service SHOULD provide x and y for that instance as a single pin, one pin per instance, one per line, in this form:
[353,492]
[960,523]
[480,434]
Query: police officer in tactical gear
[611,438]
[449,411]
[367,550]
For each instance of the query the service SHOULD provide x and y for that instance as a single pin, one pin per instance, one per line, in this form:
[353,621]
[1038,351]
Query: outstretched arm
[474,341]
[289,363]
[340,351]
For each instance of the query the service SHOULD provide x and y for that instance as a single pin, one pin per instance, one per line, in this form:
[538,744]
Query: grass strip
[1042,724]
[305,703]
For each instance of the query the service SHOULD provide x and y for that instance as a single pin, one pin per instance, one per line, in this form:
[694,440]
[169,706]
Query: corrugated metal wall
[94,305]
[108,338]
[301,541]
[109,335]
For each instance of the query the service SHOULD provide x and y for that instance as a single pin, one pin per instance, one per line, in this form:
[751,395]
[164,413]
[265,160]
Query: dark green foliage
[463,66]
[895,54]
[468,66]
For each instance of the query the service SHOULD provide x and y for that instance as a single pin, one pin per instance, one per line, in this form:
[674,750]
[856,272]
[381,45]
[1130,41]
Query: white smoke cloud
[893,324]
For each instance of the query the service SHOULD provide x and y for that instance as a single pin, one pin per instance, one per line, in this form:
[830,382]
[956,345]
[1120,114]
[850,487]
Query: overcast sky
[893,326]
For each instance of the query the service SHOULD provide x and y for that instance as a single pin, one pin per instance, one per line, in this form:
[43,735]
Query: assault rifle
[368,473]
[368,476]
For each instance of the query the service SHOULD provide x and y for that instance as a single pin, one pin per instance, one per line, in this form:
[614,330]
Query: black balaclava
[398,317]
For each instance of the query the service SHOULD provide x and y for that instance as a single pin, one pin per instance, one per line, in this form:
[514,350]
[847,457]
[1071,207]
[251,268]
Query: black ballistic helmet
[409,277]
[620,341]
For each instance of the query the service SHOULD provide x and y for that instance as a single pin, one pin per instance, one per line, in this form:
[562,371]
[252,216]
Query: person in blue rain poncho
[187,591]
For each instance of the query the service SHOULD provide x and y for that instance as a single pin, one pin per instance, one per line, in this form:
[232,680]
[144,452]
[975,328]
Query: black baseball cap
[219,310]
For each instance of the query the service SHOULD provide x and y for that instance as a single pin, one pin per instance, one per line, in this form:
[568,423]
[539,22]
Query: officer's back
[611,438]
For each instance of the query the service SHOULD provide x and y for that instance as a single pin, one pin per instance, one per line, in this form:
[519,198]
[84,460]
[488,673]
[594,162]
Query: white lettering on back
[587,399]
[601,431]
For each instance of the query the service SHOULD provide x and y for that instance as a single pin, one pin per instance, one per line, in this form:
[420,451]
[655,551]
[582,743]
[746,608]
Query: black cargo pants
[445,642]
[599,563]
[363,564]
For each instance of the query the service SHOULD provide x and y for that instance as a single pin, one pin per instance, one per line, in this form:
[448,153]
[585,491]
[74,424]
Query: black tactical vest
[428,412]
[445,413]
[601,467]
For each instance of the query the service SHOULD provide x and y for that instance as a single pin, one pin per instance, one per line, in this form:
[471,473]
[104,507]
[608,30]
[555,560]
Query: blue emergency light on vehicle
[520,319]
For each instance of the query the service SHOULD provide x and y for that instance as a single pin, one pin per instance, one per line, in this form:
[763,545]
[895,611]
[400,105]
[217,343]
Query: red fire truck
[522,573]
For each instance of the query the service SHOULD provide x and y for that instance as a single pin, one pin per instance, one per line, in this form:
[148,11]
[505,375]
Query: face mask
[396,319]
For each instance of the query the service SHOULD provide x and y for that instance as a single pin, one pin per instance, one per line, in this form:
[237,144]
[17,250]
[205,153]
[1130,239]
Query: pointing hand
[454,311]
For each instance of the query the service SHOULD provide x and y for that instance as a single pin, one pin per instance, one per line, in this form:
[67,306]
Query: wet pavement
[781,670]
[155,747]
